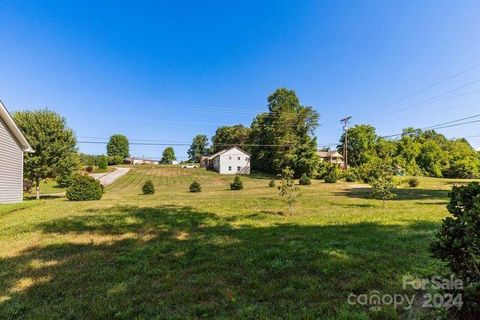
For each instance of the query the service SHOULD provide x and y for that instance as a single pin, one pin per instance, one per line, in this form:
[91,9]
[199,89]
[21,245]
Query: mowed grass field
[218,253]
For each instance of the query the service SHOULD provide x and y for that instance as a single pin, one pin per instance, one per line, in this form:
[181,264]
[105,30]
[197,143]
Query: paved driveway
[110,177]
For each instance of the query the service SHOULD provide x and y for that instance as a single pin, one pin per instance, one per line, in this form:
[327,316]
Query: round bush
[237,184]
[195,187]
[331,176]
[271,184]
[148,187]
[84,188]
[350,177]
[89,169]
[304,180]
[413,182]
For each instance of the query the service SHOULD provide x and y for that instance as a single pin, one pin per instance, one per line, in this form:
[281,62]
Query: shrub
[288,189]
[195,187]
[103,162]
[331,176]
[457,243]
[271,184]
[413,182]
[383,188]
[350,176]
[89,169]
[237,184]
[148,187]
[304,180]
[84,188]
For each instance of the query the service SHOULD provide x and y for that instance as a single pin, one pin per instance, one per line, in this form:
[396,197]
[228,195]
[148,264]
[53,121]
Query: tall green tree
[118,146]
[168,155]
[198,147]
[285,135]
[227,136]
[54,144]
[362,141]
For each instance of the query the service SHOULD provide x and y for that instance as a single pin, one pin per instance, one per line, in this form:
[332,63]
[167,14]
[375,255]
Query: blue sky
[169,70]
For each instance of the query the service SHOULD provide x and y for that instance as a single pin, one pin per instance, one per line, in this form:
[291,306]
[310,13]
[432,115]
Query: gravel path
[110,177]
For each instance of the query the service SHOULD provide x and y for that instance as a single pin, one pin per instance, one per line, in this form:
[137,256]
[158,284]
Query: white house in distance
[228,161]
[133,160]
[12,146]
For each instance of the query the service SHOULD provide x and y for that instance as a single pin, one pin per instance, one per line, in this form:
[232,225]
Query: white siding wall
[11,167]
[230,160]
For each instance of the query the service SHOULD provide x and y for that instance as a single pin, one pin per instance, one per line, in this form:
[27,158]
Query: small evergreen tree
[195,187]
[84,188]
[148,187]
[304,180]
[237,184]
[288,189]
[383,188]
[332,175]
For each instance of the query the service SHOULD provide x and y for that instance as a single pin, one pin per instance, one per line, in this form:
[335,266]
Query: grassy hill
[218,253]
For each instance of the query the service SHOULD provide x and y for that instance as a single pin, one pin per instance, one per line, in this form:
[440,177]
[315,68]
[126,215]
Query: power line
[453,121]
[430,99]
[188,144]
[439,126]
[404,98]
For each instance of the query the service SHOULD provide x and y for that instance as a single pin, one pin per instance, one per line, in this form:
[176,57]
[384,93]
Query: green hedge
[84,188]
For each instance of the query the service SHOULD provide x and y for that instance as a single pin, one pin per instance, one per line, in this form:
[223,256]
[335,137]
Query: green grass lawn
[215,254]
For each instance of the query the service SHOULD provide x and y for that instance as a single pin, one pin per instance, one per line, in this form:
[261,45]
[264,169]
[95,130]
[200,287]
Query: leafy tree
[198,148]
[54,144]
[227,136]
[118,145]
[458,244]
[288,189]
[431,159]
[288,129]
[362,141]
[168,155]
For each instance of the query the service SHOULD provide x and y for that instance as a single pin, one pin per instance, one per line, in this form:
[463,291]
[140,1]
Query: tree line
[283,136]
[416,152]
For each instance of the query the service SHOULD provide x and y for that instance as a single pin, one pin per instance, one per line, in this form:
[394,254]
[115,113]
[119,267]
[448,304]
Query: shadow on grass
[402,194]
[45,197]
[176,262]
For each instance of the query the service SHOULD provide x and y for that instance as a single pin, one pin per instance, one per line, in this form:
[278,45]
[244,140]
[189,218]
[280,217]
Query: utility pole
[345,142]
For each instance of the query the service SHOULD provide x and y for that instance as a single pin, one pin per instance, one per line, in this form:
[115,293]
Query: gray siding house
[12,146]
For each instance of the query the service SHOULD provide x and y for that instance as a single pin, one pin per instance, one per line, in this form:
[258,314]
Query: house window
[238,158]
[229,168]
[238,169]
[229,158]
[246,159]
